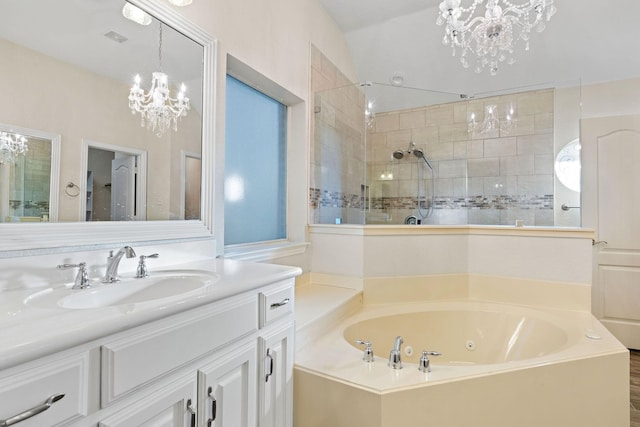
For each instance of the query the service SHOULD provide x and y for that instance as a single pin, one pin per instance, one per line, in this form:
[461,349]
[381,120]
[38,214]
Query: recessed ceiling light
[135,14]
[180,2]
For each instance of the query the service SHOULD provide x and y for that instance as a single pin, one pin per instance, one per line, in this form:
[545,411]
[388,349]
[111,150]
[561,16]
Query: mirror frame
[36,238]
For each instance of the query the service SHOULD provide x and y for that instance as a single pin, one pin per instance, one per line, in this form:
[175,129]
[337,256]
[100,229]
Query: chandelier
[493,124]
[11,145]
[491,38]
[158,110]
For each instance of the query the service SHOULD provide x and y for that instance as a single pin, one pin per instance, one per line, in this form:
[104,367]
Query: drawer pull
[214,407]
[266,378]
[33,411]
[192,413]
[280,304]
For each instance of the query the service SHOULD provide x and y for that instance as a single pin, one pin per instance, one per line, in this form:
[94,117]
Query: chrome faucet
[111,275]
[395,361]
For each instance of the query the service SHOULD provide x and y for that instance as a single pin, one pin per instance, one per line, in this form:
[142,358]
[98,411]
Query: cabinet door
[227,389]
[171,406]
[276,377]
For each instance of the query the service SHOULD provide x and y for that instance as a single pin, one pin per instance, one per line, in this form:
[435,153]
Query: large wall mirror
[115,174]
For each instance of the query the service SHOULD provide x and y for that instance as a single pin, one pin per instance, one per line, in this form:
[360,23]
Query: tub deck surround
[321,307]
[342,361]
[561,386]
[557,385]
[28,332]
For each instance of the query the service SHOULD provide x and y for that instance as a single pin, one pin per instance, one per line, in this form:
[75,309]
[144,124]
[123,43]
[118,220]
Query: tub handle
[368,351]
[425,363]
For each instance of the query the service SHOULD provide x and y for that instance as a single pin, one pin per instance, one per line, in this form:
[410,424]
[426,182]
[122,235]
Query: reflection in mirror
[28,175]
[73,77]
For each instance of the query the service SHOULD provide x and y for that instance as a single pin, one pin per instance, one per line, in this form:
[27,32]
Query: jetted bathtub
[501,365]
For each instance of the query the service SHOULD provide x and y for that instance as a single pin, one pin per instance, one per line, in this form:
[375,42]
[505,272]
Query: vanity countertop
[31,331]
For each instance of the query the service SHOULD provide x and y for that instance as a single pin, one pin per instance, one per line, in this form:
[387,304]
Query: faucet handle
[425,364]
[142,270]
[82,278]
[368,351]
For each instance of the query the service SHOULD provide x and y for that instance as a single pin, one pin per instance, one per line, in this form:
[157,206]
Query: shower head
[420,154]
[398,154]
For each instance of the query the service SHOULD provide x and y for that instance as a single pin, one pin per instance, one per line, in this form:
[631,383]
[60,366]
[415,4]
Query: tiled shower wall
[496,178]
[338,152]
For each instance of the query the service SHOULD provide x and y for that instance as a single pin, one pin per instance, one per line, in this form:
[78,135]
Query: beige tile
[543,164]
[475,149]
[460,150]
[499,147]
[538,102]
[517,165]
[452,169]
[543,123]
[440,115]
[440,151]
[399,139]
[535,144]
[453,132]
[412,119]
[483,167]
[460,112]
[535,185]
[387,122]
[424,135]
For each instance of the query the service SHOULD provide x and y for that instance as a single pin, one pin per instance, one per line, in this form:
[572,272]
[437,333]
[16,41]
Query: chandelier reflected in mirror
[158,110]
[493,124]
[12,145]
[490,39]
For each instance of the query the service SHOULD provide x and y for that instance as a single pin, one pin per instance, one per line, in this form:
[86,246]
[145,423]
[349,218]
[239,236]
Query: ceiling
[585,42]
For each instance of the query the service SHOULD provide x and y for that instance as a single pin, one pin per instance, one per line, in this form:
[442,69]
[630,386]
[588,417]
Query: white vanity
[216,355]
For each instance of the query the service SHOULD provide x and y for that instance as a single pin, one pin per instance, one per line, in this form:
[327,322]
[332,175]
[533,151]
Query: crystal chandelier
[11,145]
[492,125]
[158,110]
[491,38]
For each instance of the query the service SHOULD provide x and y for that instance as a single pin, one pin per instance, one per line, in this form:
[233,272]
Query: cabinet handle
[280,304]
[192,412]
[33,411]
[266,379]
[214,407]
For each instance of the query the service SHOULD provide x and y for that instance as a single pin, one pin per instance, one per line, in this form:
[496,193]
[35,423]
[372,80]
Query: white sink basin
[160,287]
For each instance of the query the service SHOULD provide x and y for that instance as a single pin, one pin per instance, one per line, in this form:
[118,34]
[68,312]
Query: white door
[227,389]
[123,180]
[611,205]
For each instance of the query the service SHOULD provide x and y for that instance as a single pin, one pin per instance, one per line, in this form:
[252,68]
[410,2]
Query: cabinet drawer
[276,302]
[160,347]
[30,388]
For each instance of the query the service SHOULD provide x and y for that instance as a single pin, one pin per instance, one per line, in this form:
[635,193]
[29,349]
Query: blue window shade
[255,166]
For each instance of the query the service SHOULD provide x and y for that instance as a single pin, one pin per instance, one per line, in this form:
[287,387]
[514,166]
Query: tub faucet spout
[395,360]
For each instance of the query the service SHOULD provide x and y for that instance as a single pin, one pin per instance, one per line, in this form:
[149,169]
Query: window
[255,166]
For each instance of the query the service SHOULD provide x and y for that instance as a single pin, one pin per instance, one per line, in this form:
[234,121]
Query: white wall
[547,255]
